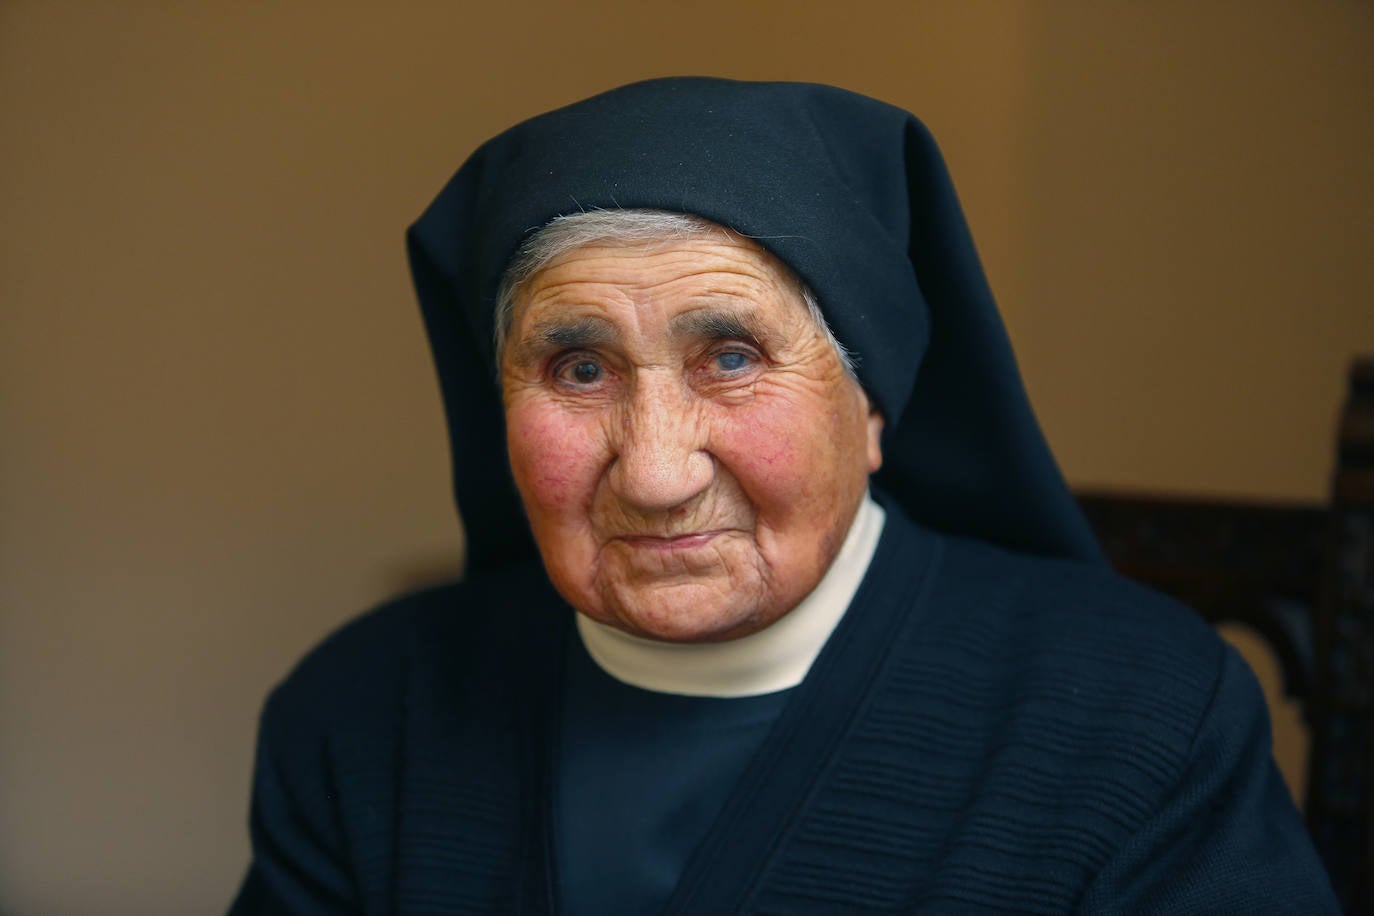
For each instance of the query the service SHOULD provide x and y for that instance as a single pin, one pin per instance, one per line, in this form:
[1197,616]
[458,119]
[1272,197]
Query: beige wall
[219,432]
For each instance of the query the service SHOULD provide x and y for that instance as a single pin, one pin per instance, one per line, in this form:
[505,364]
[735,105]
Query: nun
[775,599]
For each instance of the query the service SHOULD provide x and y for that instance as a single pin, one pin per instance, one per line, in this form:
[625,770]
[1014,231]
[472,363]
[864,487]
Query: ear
[875,439]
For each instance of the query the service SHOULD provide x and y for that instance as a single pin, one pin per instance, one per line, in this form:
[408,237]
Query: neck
[770,660]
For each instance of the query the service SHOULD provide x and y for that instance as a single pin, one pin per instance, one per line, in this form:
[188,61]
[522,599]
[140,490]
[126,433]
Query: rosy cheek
[553,457]
[760,444]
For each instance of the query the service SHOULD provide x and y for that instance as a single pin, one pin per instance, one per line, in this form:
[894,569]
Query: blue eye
[731,361]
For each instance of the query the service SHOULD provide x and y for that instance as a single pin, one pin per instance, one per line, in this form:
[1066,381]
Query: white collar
[772,659]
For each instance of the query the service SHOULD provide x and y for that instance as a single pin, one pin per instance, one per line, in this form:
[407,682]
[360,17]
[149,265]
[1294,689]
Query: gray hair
[630,227]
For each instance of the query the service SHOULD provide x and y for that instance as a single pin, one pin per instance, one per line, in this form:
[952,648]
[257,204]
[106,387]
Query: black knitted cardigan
[984,732]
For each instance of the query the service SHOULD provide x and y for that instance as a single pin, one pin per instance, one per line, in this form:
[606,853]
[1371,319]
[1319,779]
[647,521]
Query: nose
[660,459]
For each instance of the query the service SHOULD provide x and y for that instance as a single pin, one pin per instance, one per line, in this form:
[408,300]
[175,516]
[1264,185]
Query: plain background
[220,434]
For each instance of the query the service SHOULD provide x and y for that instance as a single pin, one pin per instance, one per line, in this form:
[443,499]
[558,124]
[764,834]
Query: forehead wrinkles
[702,272]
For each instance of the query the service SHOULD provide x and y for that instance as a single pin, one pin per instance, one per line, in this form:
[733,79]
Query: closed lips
[672,542]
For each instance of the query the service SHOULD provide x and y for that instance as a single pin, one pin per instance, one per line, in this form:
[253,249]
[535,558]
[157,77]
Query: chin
[681,614]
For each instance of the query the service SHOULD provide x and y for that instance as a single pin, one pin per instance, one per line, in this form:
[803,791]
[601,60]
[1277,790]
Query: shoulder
[1091,684]
[1071,719]
[986,599]
[1099,687]
[355,678]
[331,768]
[1100,627]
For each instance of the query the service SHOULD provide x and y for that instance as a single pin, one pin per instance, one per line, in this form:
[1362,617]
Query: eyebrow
[715,324]
[559,334]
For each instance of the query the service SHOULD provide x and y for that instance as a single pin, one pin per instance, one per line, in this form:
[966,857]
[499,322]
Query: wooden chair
[1302,576]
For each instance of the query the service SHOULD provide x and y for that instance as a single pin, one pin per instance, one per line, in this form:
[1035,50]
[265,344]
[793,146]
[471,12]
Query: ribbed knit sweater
[984,732]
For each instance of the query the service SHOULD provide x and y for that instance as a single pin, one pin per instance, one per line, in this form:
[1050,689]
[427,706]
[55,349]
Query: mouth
[677,542]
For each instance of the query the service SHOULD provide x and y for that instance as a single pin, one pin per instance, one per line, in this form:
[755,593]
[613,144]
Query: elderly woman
[776,601]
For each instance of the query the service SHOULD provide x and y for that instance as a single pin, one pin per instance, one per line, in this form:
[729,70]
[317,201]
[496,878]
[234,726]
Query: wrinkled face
[688,446]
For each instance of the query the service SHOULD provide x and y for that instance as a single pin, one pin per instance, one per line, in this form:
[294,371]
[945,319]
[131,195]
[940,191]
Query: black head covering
[852,194]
